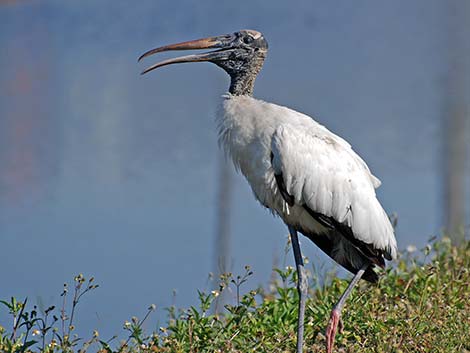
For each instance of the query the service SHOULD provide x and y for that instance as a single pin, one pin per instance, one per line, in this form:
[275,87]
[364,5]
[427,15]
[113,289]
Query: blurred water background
[115,175]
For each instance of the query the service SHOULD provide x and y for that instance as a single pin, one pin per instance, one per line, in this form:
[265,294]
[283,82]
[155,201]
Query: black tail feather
[326,245]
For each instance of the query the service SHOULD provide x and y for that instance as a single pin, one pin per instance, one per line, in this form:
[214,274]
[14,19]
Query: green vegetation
[420,305]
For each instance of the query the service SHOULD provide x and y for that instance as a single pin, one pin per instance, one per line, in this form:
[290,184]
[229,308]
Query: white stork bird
[297,168]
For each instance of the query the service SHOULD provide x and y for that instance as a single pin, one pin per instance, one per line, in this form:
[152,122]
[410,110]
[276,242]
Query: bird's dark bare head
[240,54]
[247,48]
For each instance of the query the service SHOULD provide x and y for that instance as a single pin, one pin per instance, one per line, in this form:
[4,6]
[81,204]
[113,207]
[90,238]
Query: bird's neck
[243,77]
[242,83]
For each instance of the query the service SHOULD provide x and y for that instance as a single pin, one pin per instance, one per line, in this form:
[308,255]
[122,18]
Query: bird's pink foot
[331,329]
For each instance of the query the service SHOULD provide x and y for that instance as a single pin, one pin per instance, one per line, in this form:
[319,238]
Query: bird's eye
[247,39]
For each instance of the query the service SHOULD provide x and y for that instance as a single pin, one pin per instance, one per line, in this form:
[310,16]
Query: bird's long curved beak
[222,42]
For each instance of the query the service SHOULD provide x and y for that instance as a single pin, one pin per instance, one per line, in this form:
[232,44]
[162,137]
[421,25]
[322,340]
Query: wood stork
[297,168]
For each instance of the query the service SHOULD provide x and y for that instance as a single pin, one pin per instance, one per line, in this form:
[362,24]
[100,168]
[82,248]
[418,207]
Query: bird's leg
[302,285]
[335,317]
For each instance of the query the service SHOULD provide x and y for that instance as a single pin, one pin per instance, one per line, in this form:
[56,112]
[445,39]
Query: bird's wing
[321,172]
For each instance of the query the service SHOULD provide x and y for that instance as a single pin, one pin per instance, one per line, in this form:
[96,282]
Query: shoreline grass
[422,304]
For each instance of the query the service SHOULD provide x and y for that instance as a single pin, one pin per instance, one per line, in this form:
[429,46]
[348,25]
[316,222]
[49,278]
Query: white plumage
[320,170]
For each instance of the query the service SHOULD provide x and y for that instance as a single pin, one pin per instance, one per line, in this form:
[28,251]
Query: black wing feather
[371,254]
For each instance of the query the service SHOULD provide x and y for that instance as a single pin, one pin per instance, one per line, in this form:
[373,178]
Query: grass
[420,305]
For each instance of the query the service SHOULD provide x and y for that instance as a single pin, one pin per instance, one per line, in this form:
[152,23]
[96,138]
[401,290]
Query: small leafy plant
[36,328]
